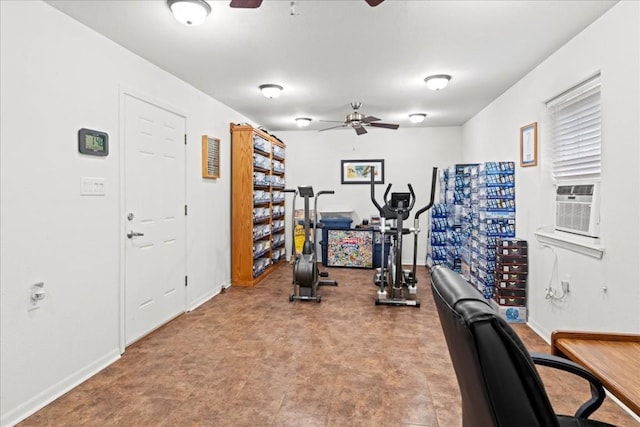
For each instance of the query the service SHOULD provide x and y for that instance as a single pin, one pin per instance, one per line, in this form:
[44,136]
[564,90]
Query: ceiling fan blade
[360,130]
[370,119]
[384,125]
[245,4]
[332,127]
[374,3]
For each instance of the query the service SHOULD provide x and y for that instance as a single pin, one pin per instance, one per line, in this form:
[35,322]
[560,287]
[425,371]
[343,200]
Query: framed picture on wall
[210,157]
[359,171]
[529,145]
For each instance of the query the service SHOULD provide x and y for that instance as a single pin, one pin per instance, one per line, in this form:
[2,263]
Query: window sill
[582,245]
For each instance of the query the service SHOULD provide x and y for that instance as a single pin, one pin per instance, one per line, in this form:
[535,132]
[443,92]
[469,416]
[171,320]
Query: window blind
[575,122]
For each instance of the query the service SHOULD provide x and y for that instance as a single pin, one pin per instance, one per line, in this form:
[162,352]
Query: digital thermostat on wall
[93,142]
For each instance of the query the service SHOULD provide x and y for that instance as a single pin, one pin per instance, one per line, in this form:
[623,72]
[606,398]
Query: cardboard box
[514,255]
[512,268]
[511,284]
[500,293]
[513,314]
[512,242]
[299,214]
[497,167]
[510,301]
[499,227]
[511,277]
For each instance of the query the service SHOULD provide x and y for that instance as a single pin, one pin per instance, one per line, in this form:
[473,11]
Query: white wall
[48,230]
[610,45]
[58,76]
[410,154]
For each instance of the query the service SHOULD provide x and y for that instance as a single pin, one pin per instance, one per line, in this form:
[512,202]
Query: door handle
[133,234]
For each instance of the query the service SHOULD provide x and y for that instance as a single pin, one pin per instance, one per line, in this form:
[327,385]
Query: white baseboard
[207,296]
[540,331]
[623,406]
[47,396]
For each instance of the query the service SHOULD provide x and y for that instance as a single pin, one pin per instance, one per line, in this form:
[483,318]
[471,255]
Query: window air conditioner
[577,209]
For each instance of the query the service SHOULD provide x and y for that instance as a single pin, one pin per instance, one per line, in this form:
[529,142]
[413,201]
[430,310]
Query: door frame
[123,92]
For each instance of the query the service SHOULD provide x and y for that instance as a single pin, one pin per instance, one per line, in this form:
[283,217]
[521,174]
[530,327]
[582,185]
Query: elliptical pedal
[408,277]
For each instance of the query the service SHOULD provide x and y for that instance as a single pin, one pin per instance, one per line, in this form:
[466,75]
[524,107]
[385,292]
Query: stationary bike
[306,275]
[395,285]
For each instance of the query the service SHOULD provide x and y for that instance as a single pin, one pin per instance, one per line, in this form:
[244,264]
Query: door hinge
[186,281]
[185,139]
[185,210]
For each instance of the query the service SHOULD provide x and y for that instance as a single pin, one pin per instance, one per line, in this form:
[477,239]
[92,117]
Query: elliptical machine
[306,275]
[395,285]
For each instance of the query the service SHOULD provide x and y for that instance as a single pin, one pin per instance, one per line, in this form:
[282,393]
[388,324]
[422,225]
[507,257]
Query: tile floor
[249,357]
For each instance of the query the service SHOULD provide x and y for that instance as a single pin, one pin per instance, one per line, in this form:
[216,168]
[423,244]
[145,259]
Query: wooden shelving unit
[257,204]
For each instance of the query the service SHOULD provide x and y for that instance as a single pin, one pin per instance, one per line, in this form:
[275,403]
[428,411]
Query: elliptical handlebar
[315,209]
[373,193]
[386,193]
[413,197]
[389,203]
[416,221]
[434,176]
[293,221]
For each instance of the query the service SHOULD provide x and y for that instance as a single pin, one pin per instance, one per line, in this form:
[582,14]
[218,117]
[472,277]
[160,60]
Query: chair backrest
[499,384]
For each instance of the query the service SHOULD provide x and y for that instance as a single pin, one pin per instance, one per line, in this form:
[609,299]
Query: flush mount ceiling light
[303,122]
[437,82]
[417,117]
[270,90]
[190,12]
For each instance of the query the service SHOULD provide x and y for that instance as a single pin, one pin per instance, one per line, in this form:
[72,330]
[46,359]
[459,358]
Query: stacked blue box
[454,195]
[493,208]
[454,199]
[473,243]
[437,248]
[466,220]
[455,204]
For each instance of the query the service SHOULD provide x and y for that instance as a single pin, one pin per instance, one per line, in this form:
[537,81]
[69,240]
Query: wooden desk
[613,358]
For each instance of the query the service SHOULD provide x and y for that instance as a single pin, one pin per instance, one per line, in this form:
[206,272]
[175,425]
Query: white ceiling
[329,53]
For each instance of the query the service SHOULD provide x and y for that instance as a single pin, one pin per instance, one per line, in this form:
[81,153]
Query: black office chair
[498,381]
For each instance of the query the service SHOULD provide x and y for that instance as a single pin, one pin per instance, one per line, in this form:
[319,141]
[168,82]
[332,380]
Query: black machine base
[317,298]
[398,302]
[303,293]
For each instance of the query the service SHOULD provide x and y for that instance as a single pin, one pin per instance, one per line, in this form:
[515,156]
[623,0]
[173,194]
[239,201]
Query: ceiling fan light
[417,117]
[270,90]
[303,122]
[438,81]
[190,12]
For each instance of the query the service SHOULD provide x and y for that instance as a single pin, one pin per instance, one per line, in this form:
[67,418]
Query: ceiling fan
[358,121]
[252,4]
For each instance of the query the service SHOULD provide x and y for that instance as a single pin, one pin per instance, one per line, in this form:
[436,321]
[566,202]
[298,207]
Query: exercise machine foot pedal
[327,283]
[398,302]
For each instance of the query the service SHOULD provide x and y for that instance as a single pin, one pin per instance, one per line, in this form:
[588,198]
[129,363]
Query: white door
[155,262]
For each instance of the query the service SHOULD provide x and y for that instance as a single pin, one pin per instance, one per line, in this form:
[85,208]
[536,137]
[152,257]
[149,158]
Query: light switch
[90,186]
